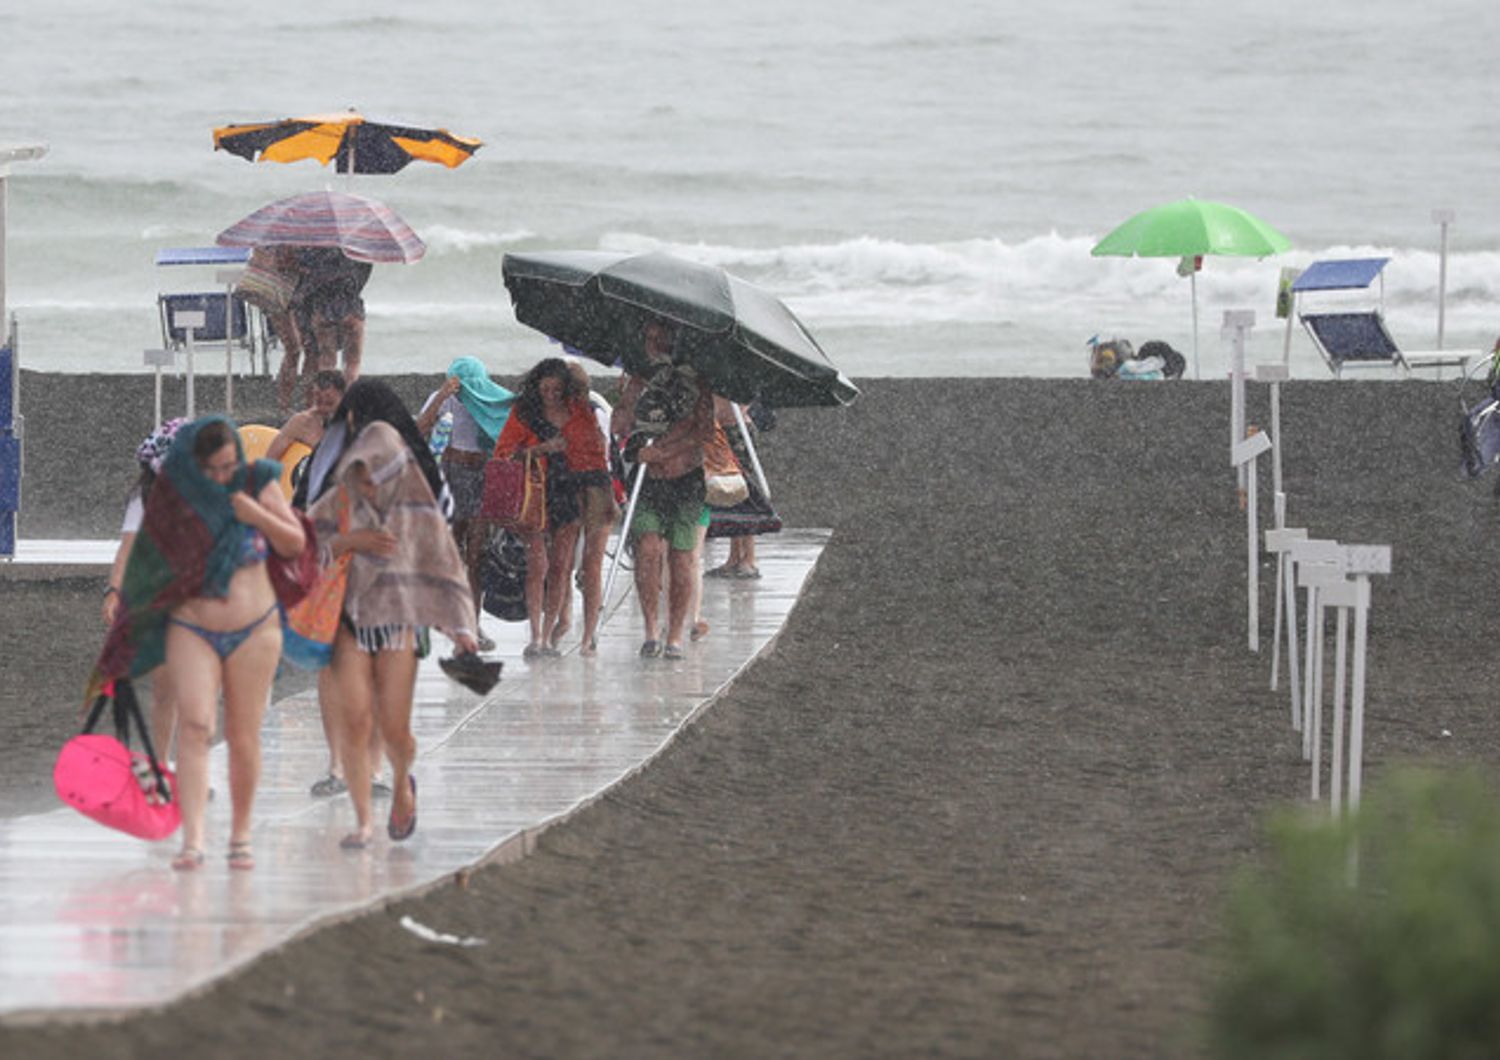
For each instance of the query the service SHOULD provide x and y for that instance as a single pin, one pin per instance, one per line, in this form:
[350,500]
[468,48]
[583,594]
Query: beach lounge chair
[1359,338]
[245,330]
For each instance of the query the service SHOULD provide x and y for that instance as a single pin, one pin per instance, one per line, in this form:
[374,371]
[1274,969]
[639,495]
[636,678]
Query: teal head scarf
[486,400]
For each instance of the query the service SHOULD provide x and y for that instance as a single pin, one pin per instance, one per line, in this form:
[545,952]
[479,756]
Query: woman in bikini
[227,642]
[384,503]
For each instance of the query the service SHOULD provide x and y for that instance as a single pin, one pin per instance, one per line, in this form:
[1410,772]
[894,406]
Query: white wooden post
[1243,457]
[157,359]
[189,320]
[1443,218]
[1280,541]
[1307,553]
[1275,375]
[1237,324]
[1361,561]
[229,277]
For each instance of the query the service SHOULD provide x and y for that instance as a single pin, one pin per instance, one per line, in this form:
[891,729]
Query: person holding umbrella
[668,414]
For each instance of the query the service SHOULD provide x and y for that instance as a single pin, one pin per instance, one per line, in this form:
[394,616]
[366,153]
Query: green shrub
[1375,937]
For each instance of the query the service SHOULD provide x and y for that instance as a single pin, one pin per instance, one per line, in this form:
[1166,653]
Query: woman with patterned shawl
[197,593]
[404,575]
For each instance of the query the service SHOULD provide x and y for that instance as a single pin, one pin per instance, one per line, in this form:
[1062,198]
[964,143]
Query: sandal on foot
[589,648]
[672,651]
[241,855]
[724,570]
[531,651]
[354,841]
[329,786]
[399,830]
[379,789]
[651,649]
[699,631]
[746,573]
[188,859]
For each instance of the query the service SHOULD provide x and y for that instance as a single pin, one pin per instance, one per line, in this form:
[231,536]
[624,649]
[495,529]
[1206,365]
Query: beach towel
[424,583]
[486,400]
[188,545]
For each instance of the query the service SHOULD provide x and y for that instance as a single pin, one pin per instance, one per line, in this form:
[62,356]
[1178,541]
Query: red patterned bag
[515,494]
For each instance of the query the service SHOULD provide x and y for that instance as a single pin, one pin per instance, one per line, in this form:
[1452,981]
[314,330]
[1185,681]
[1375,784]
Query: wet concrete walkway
[92,920]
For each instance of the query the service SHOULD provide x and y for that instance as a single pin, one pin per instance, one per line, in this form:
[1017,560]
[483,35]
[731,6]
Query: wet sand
[982,798]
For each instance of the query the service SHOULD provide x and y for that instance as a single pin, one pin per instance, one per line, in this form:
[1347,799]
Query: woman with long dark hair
[552,421]
[380,499]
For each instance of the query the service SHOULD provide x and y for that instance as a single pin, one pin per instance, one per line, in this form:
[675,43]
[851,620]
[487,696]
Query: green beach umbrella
[1190,229]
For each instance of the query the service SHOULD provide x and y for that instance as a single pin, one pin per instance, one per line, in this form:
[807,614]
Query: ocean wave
[872,280]
[445,239]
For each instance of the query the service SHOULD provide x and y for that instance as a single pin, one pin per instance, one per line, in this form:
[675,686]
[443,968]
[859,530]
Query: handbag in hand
[294,578]
[102,778]
[308,632]
[515,494]
[725,491]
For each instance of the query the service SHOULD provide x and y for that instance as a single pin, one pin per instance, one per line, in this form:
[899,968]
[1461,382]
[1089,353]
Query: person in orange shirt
[552,419]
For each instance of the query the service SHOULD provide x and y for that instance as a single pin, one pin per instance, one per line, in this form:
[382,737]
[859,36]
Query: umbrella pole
[760,472]
[614,565]
[1197,369]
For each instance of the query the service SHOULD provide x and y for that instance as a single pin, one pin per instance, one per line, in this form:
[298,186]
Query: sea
[920,182]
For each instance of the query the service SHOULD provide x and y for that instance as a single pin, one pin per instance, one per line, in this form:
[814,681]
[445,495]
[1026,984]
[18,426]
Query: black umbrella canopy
[741,338]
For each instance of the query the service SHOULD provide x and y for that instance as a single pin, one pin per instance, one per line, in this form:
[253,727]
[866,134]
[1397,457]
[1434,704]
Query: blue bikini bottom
[224,642]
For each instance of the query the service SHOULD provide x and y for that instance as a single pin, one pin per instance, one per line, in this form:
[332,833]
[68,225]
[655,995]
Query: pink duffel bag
[102,778]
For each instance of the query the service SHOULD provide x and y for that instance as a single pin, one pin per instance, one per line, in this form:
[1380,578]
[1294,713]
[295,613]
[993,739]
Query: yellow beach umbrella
[352,143]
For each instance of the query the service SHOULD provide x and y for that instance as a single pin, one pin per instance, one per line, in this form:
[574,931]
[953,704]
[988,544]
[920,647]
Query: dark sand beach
[981,799]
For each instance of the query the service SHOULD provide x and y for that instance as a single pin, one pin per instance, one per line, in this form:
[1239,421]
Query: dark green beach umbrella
[741,338]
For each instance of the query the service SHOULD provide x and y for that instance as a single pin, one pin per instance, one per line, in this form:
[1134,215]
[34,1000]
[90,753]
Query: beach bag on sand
[309,628]
[515,495]
[102,778]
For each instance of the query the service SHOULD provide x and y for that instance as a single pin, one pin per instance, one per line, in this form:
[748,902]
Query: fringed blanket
[424,583]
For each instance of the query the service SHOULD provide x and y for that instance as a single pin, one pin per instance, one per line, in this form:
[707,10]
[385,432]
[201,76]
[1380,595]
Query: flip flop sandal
[700,630]
[746,573]
[672,651]
[241,855]
[724,570]
[354,841]
[329,786]
[379,789]
[403,830]
[651,649]
[188,859]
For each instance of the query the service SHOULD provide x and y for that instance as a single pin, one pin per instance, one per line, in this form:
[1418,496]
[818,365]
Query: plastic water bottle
[442,432]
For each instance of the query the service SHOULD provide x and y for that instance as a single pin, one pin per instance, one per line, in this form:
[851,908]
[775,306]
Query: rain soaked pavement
[92,920]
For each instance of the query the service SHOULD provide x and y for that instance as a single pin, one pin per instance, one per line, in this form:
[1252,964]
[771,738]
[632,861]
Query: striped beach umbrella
[352,143]
[364,229]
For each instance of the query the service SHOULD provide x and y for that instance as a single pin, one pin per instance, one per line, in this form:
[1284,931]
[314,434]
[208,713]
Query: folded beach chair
[1359,338]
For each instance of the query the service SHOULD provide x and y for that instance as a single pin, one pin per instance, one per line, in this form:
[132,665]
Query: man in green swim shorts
[668,414]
